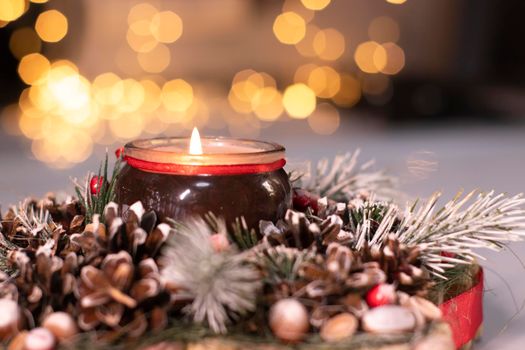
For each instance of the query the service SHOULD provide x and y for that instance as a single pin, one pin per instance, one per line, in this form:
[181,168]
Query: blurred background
[433,90]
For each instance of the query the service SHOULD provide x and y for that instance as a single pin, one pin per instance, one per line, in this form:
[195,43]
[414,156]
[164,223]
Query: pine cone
[107,276]
[401,265]
[297,231]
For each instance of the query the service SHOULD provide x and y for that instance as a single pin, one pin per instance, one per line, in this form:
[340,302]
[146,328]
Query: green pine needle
[94,204]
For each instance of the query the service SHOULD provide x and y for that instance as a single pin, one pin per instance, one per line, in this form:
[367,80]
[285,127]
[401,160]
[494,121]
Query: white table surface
[462,157]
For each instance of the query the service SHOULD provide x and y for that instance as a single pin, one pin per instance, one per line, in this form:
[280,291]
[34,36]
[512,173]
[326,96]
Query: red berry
[95,185]
[118,152]
[448,254]
[381,294]
[303,199]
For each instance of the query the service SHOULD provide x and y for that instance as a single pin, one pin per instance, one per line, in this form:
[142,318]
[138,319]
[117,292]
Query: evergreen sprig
[94,204]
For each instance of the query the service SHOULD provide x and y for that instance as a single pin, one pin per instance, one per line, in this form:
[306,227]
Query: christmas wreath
[346,268]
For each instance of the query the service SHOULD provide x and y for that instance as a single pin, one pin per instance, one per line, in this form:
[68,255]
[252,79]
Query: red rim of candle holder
[152,156]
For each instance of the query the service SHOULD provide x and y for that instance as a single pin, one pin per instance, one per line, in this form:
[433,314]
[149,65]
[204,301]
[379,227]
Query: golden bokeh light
[24,41]
[133,96]
[306,46]
[127,126]
[297,7]
[316,5]
[329,44]
[141,11]
[39,1]
[299,101]
[267,104]
[156,60]
[325,120]
[395,59]
[302,74]
[370,57]
[396,2]
[166,27]
[12,9]
[140,43]
[349,93]
[383,29]
[289,28]
[33,68]
[152,99]
[51,26]
[324,81]
[177,95]
[108,89]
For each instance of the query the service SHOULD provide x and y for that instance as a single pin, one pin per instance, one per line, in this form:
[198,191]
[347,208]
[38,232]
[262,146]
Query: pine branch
[477,220]
[94,204]
[343,179]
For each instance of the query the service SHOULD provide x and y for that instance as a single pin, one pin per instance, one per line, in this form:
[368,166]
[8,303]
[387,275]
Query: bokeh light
[324,81]
[395,59]
[51,26]
[289,28]
[267,104]
[299,101]
[177,95]
[329,44]
[370,57]
[306,46]
[315,4]
[24,41]
[166,27]
[156,60]
[397,2]
[297,7]
[349,92]
[33,68]
[325,120]
[12,9]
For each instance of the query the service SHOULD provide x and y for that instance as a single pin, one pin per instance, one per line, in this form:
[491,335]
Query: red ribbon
[183,169]
[464,313]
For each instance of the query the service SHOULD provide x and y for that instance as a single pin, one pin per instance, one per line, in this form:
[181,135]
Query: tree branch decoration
[343,178]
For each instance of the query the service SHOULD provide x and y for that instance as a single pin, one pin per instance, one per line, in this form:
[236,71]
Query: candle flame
[195,142]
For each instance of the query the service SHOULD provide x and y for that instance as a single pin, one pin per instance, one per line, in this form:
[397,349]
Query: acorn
[40,339]
[10,319]
[61,324]
[390,319]
[288,320]
[339,327]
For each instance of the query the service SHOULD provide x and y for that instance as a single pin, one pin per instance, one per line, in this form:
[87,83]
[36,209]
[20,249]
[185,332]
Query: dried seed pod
[389,319]
[10,318]
[339,327]
[426,307]
[61,324]
[288,320]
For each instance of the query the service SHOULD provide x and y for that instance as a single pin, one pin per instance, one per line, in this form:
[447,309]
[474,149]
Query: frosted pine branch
[343,178]
[477,220]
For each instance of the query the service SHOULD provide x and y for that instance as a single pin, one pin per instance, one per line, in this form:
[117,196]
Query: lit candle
[185,177]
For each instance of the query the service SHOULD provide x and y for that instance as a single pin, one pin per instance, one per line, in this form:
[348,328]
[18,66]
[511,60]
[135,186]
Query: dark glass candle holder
[232,178]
